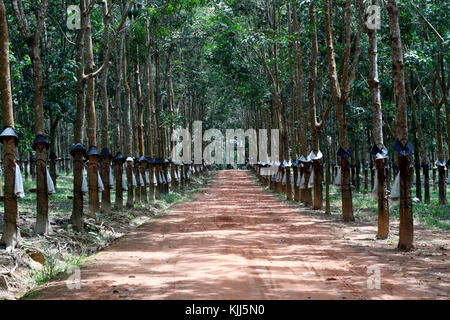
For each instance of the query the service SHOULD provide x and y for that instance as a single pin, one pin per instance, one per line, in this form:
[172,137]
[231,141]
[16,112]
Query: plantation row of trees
[134,71]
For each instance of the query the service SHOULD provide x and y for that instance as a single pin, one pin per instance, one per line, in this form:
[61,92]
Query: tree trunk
[92,123]
[128,136]
[305,194]
[33,42]
[11,233]
[383,204]
[118,170]
[406,230]
[341,95]
[78,128]
[440,148]
[130,193]
[77,211]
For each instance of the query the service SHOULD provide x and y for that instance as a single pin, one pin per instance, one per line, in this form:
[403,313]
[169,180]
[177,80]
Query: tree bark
[374,85]
[340,93]
[92,122]
[305,194]
[11,233]
[33,41]
[406,230]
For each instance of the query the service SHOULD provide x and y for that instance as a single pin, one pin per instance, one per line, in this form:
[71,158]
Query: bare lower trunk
[296,188]
[151,196]
[307,191]
[327,186]
[77,210]
[118,204]
[42,222]
[129,172]
[426,184]
[144,187]
[137,191]
[318,197]
[383,204]
[347,205]
[106,194]
[406,230]
[93,186]
[11,233]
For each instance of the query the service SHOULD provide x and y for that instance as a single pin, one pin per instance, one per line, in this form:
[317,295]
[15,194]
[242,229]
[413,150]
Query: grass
[52,268]
[432,216]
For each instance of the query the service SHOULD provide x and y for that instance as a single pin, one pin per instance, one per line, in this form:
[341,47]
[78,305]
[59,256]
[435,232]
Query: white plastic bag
[395,192]
[111,178]
[337,181]
[50,184]
[18,183]
[141,180]
[124,183]
[101,187]
[133,179]
[302,182]
[155,182]
[311,180]
[374,193]
[84,185]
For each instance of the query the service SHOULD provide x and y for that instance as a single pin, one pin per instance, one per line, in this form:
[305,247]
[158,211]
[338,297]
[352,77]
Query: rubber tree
[406,229]
[118,158]
[341,90]
[141,167]
[78,151]
[40,145]
[379,150]
[127,127]
[89,77]
[316,126]
[274,84]
[11,233]
[293,136]
[424,158]
[440,163]
[92,153]
[106,157]
[149,106]
[305,193]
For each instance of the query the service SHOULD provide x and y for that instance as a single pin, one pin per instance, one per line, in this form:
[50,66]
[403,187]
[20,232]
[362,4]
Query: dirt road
[234,241]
